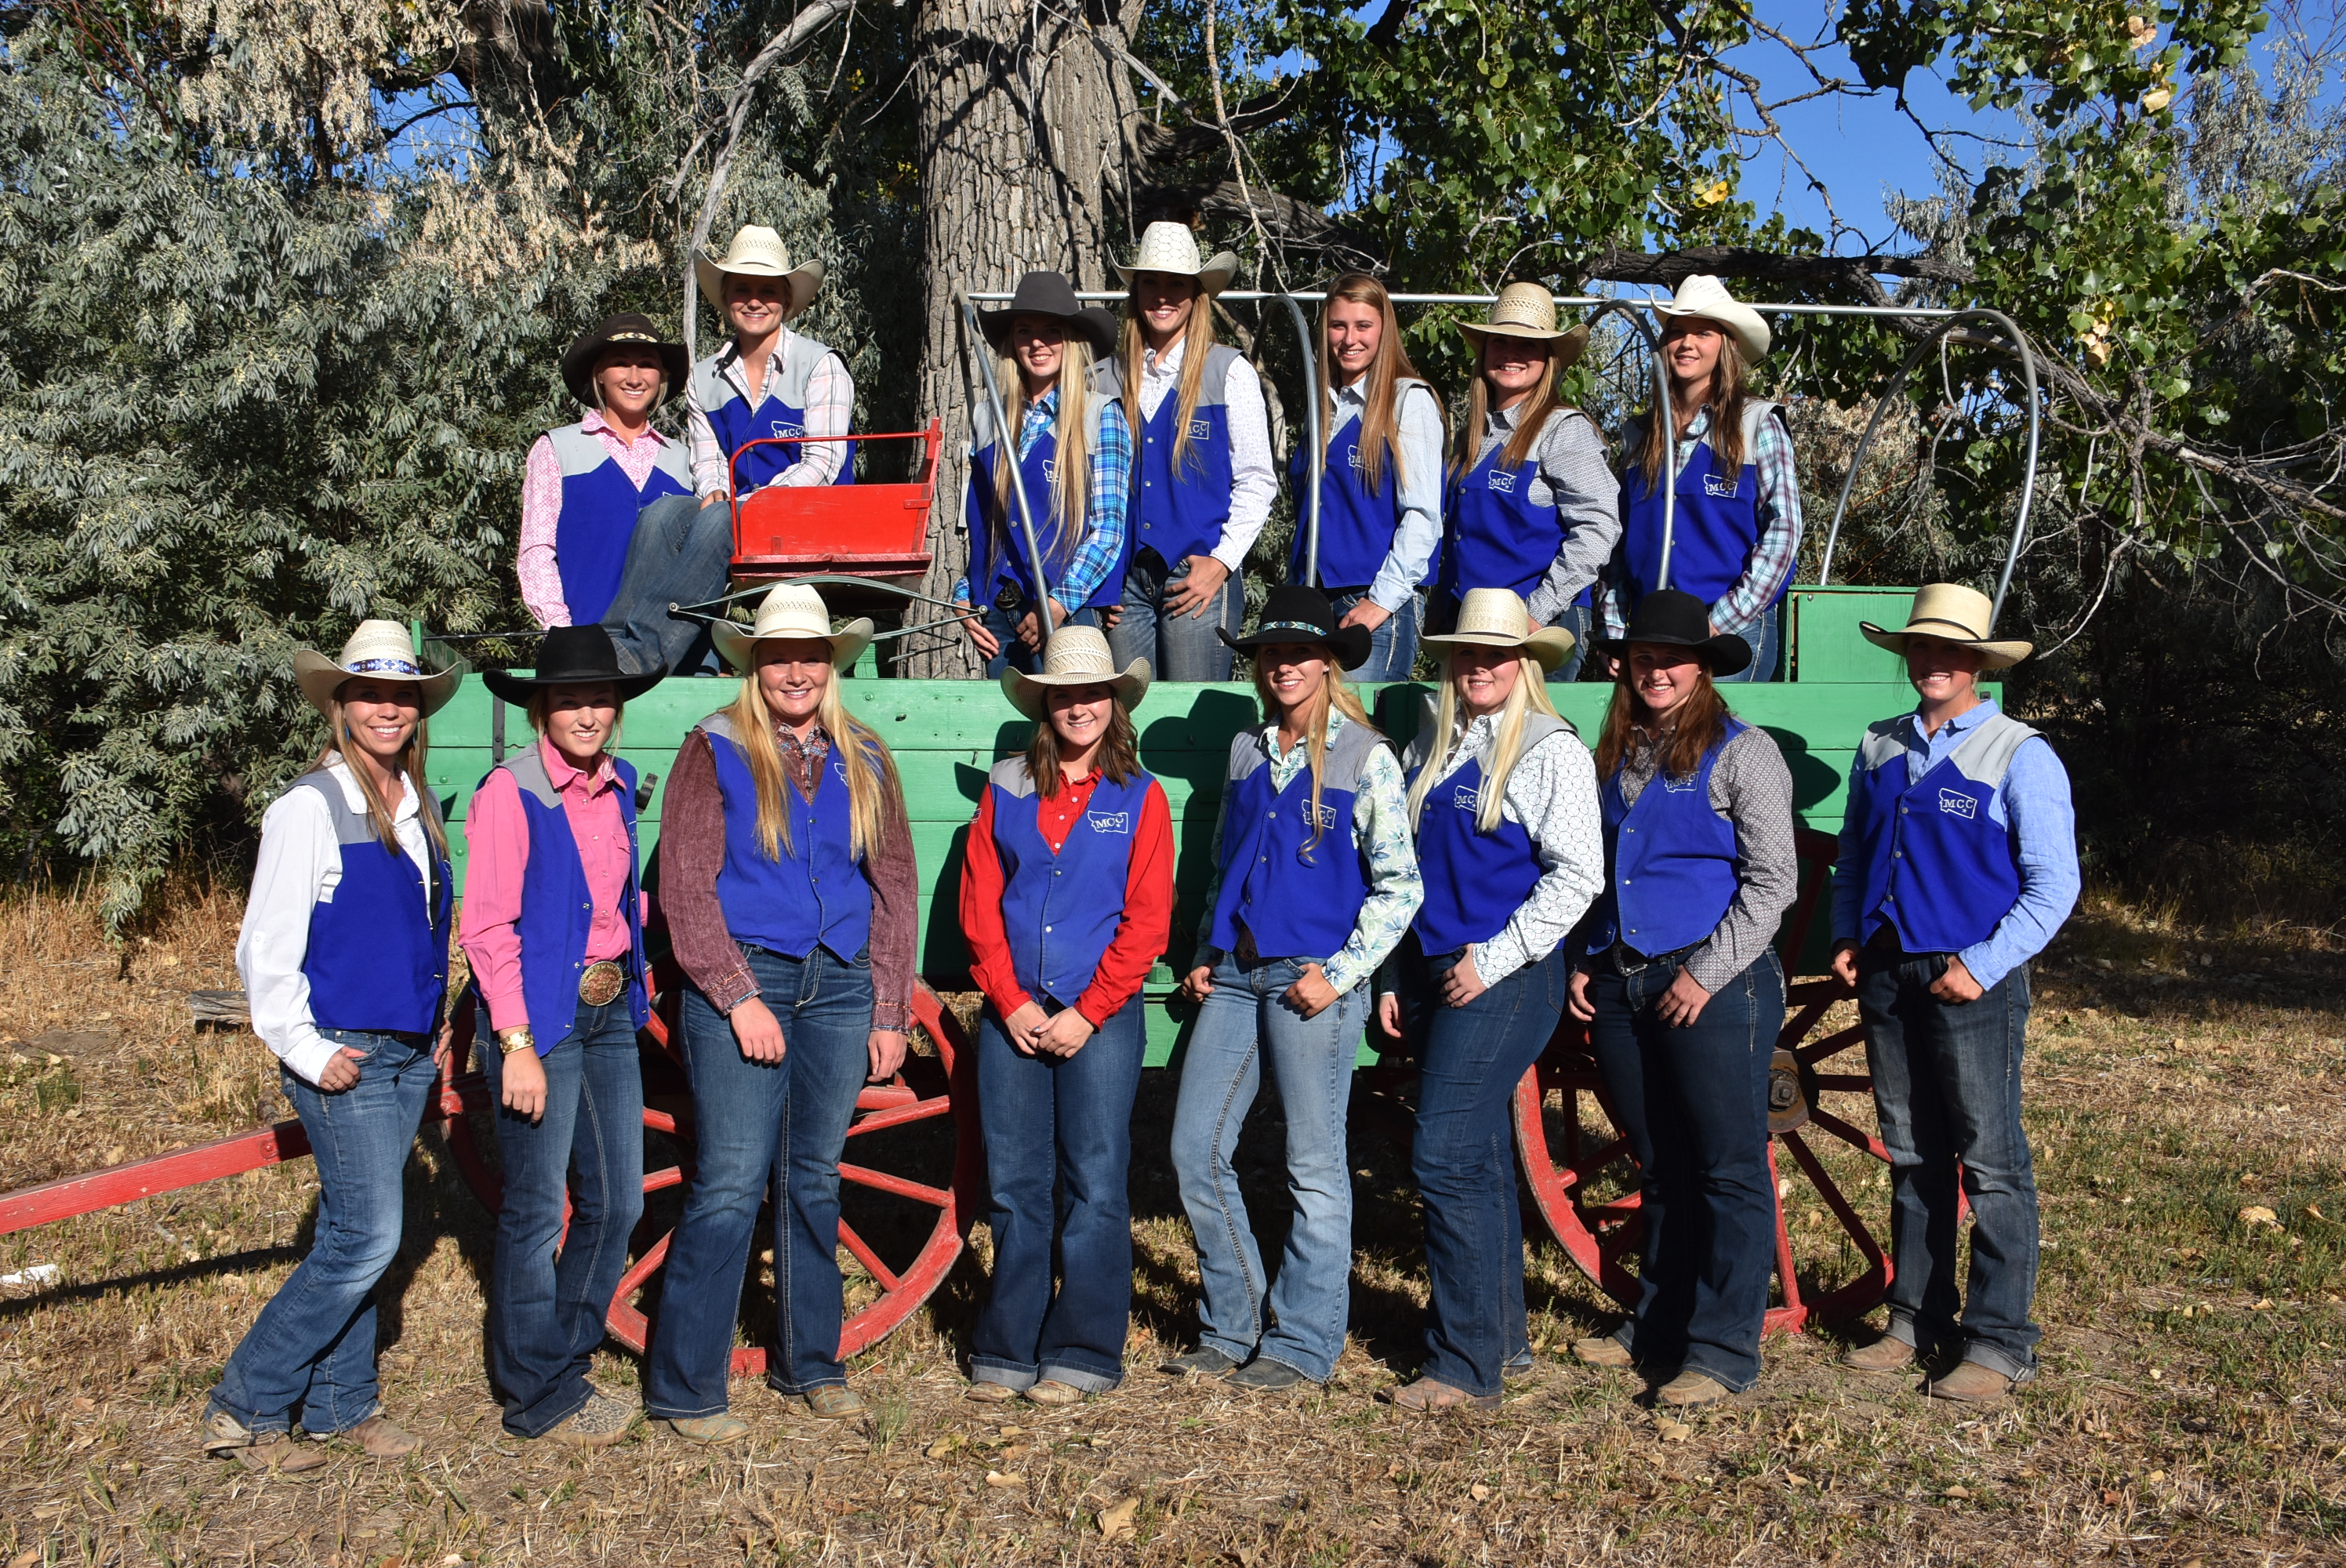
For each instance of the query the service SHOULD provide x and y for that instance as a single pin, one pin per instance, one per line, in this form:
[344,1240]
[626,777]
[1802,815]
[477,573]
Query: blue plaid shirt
[1110,496]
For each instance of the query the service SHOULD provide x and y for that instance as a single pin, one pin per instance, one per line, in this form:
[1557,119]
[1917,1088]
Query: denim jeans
[310,1355]
[1946,1084]
[1766,641]
[1298,1320]
[754,1123]
[1016,655]
[681,552]
[545,1313]
[1063,1123]
[1178,647]
[1393,646]
[1470,1060]
[1693,1102]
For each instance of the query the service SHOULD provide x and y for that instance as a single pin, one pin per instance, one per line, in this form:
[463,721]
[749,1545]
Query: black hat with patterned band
[1297,614]
[628,330]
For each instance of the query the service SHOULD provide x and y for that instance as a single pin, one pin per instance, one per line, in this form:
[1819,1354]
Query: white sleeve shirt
[1254,482]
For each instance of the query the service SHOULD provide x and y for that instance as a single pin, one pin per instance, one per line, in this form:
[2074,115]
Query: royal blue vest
[1495,537]
[781,410]
[997,546]
[1300,898]
[1937,855]
[1670,861]
[1716,525]
[1474,881]
[816,894]
[557,907]
[1357,524]
[1180,514]
[1060,911]
[378,955]
[599,503]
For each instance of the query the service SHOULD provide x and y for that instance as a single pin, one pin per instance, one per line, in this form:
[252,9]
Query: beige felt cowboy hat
[758,252]
[1171,247]
[377,650]
[1076,655]
[1497,618]
[1528,310]
[1954,614]
[791,610]
[1705,296]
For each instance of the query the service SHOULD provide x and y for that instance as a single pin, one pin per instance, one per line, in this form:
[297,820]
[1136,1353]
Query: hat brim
[1995,654]
[1029,692]
[1549,644]
[735,643]
[1724,653]
[806,282]
[518,688]
[1096,325]
[1752,333]
[1213,276]
[1572,341]
[1349,644]
[320,678]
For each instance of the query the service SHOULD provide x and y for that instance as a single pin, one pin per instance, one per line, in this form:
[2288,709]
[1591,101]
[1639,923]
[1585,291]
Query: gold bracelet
[511,1040]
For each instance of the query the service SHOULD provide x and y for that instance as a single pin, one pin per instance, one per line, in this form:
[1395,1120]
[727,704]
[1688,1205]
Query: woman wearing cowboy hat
[344,958]
[553,929]
[1066,897]
[791,898]
[1958,864]
[1736,526]
[1205,484]
[1048,343]
[1678,983]
[1314,882]
[1504,807]
[1534,507]
[1380,479]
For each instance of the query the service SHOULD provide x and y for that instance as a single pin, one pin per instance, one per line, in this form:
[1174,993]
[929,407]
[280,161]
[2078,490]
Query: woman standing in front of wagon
[345,959]
[1684,996]
[1315,880]
[789,892]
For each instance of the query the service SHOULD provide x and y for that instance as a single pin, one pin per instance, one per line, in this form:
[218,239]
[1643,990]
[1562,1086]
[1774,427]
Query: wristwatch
[511,1040]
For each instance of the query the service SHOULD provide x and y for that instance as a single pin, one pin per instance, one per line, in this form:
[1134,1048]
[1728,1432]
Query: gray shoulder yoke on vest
[1214,386]
[720,723]
[1348,756]
[1885,740]
[1010,776]
[349,826]
[1755,410]
[1248,751]
[527,767]
[1984,756]
[576,452]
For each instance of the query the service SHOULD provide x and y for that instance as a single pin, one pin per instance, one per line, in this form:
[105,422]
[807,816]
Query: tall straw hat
[1171,247]
[791,610]
[1705,296]
[1497,618]
[1076,655]
[757,252]
[1954,614]
[379,650]
[1528,310]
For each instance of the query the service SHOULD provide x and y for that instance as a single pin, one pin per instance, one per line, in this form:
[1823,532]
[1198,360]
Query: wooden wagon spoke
[881,1181]
[861,1250]
[1832,1045]
[902,1115]
[1830,1190]
[1855,1137]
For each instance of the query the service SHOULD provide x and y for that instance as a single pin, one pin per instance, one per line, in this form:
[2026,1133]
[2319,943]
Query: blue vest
[1357,524]
[998,546]
[1496,537]
[1301,899]
[1715,527]
[1939,867]
[599,503]
[816,894]
[781,410]
[1474,881]
[1670,861]
[557,907]
[378,957]
[1060,911]
[1182,515]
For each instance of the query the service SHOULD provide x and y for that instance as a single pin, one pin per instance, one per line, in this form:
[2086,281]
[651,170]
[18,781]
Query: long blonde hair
[1729,393]
[1521,442]
[1071,495]
[1381,415]
[870,770]
[379,814]
[1529,696]
[1197,338]
[1335,694]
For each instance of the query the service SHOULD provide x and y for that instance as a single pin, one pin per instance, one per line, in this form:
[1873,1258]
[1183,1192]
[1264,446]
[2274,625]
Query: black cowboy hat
[1050,294]
[572,655]
[1297,614]
[1681,620]
[628,330]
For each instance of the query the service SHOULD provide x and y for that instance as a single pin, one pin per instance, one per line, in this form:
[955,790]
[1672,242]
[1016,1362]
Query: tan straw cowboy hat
[757,252]
[1705,296]
[1528,310]
[377,650]
[791,610]
[1171,247]
[1076,655]
[1954,614]
[1497,618]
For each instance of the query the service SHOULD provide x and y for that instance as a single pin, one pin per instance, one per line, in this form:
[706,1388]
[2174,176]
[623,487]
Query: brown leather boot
[1886,1355]
[1601,1350]
[1971,1383]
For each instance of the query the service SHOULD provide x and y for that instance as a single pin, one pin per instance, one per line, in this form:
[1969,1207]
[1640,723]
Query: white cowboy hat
[1705,296]
[791,610]
[760,253]
[1076,655]
[1954,614]
[1171,247]
[1497,618]
[379,650]
[1528,310]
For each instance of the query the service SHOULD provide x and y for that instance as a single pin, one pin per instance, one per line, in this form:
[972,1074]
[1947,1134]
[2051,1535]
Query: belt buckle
[1626,962]
[602,982]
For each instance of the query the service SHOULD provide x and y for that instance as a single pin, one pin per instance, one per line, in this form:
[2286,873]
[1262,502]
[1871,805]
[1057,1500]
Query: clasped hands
[1033,1032]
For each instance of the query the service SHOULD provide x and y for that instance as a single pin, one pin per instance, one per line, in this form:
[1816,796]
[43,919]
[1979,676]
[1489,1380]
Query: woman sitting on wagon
[345,959]
[789,892]
[1505,804]
[1379,481]
[1066,897]
[1048,343]
[553,928]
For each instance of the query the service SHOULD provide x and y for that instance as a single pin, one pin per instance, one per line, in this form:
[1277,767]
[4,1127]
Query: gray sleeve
[1751,787]
[1573,461]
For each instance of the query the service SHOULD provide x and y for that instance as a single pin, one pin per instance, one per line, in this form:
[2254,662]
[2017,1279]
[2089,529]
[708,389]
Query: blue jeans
[1767,640]
[1470,1060]
[1393,646]
[310,1353]
[1946,1084]
[545,1314]
[1017,655]
[1693,1102]
[755,1122]
[1298,1320]
[1178,647]
[1063,1122]
[681,552]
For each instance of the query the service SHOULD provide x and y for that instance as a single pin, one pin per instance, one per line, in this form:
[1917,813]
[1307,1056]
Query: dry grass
[2190,1409]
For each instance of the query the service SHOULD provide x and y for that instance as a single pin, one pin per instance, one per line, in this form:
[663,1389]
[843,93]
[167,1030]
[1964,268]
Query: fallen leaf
[1672,1431]
[2157,1476]
[1479,1492]
[1960,1493]
[1012,1431]
[2256,1214]
[2263,1303]
[1016,1452]
[83,1402]
[2314,1211]
[1115,1521]
[26,1559]
[2109,1499]
[1794,1479]
[944,1446]
[999,1478]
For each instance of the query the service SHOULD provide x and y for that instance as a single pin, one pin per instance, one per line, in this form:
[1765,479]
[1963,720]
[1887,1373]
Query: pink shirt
[541,511]
[496,841]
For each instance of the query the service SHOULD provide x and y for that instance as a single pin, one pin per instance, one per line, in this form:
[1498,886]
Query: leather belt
[600,984]
[1628,961]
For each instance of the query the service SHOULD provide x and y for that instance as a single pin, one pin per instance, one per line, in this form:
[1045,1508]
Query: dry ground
[2190,1410]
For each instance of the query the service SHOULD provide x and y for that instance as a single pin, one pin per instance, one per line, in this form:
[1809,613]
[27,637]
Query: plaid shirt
[802,759]
[1779,534]
[1110,494]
